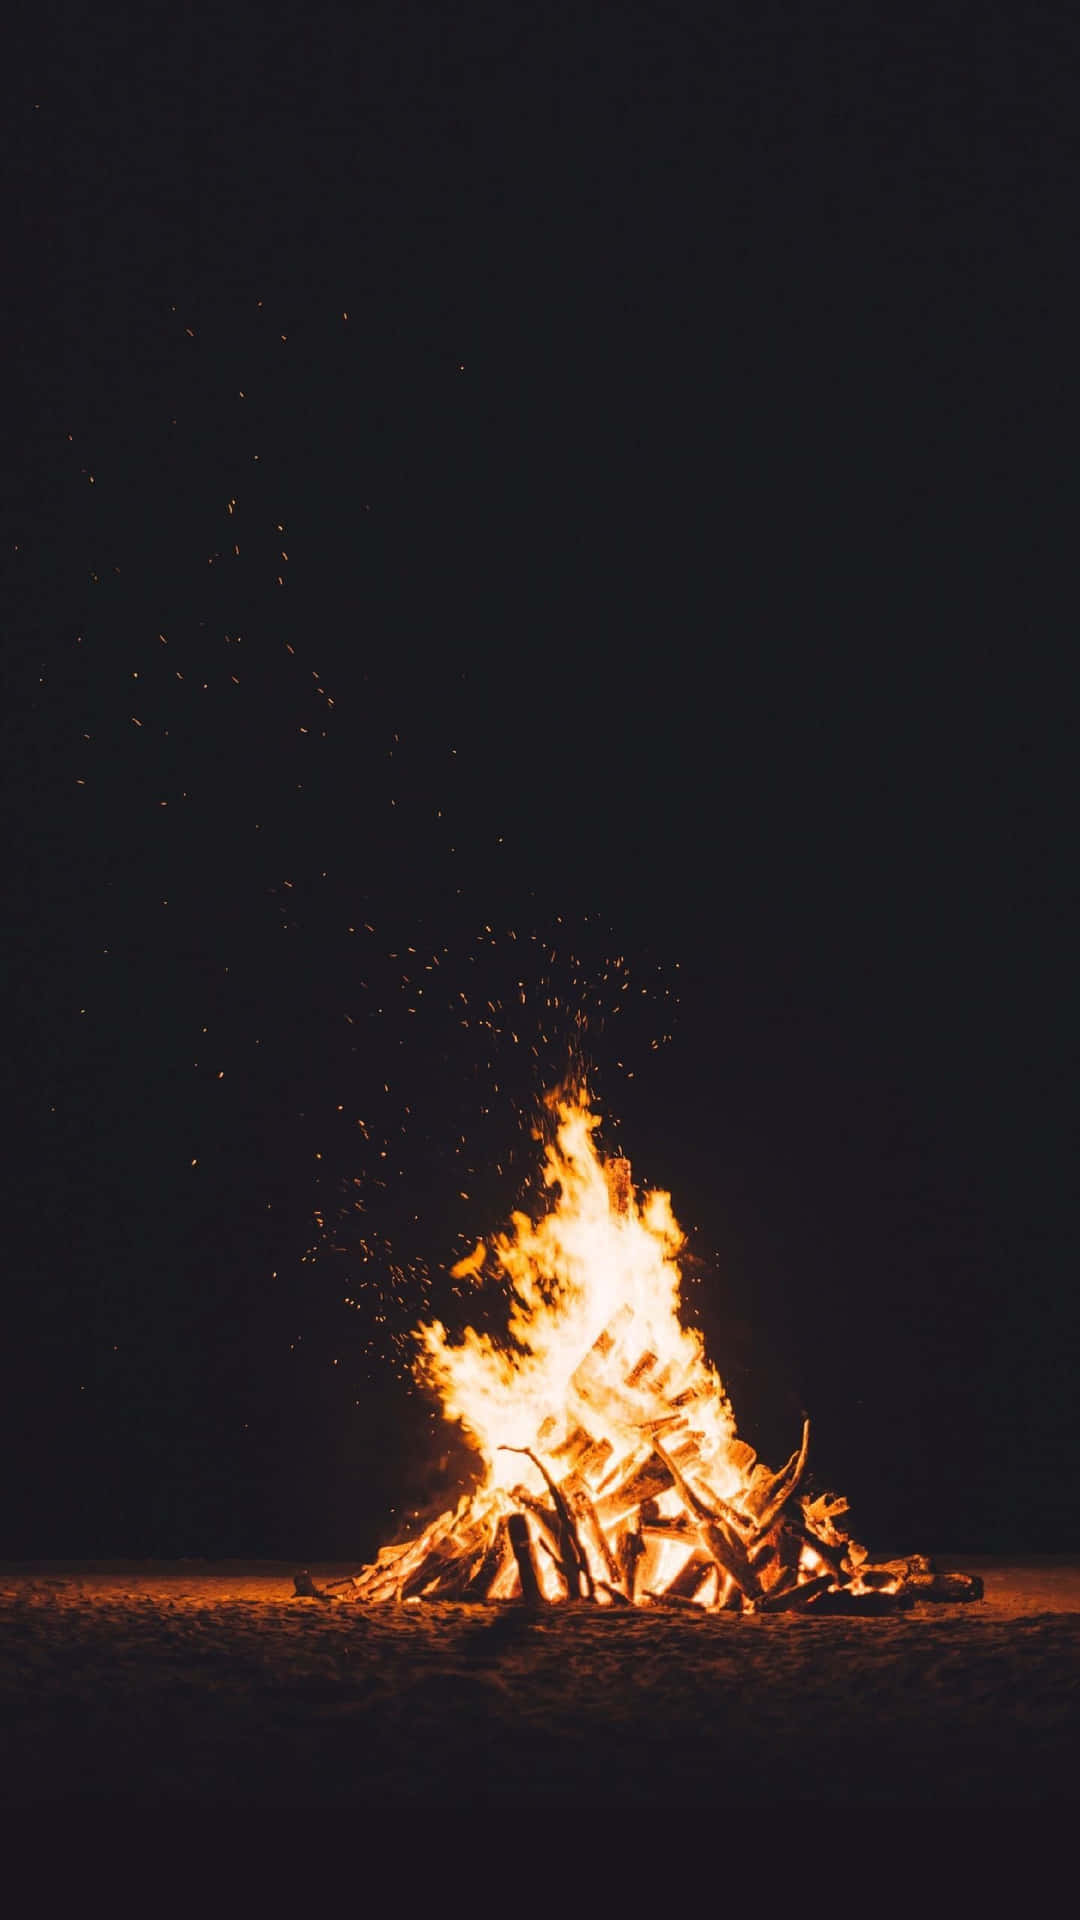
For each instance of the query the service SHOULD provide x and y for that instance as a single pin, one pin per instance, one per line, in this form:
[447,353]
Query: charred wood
[616,1598]
[517,1528]
[630,1548]
[943,1586]
[797,1596]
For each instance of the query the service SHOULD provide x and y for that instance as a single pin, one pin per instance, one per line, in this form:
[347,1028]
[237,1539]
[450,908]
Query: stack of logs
[602,1529]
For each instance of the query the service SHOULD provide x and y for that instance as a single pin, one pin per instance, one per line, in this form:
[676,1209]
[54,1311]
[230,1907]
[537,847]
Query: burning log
[628,1553]
[720,1541]
[833,1556]
[614,1595]
[842,1601]
[943,1586]
[490,1564]
[918,1576]
[545,1521]
[639,1372]
[689,1580]
[589,1525]
[573,1449]
[769,1501]
[517,1528]
[678,1528]
[575,1566]
[795,1597]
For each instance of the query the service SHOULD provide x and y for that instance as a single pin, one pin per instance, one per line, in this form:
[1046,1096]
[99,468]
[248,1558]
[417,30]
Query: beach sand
[211,1684]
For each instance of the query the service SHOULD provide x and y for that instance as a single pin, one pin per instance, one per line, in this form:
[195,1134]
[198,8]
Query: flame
[611,1468]
[602,1262]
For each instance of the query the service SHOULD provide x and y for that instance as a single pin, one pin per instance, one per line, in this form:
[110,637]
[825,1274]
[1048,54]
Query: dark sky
[566,509]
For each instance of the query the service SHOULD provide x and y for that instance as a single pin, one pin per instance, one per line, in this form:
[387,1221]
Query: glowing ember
[612,1470]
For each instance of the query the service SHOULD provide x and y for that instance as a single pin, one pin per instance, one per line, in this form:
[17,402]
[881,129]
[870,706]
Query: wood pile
[635,1521]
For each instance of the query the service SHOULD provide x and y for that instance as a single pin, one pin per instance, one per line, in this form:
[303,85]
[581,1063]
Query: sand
[209,1684]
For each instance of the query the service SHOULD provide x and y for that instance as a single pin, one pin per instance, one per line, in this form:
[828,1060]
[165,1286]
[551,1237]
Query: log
[795,1597]
[651,1477]
[616,1598]
[456,1581]
[730,1556]
[641,1368]
[628,1553]
[943,1586]
[489,1564]
[719,1540]
[677,1528]
[575,1565]
[773,1498]
[606,1340]
[833,1556]
[591,1530]
[690,1579]
[912,1563]
[577,1444]
[671,1600]
[448,1548]
[592,1464]
[517,1528]
[545,1518]
[594,1379]
[428,1569]
[841,1601]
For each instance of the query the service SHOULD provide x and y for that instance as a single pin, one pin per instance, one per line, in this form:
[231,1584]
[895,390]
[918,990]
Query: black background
[670,425]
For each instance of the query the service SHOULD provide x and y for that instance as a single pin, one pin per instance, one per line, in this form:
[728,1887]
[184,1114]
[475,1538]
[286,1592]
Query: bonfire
[612,1473]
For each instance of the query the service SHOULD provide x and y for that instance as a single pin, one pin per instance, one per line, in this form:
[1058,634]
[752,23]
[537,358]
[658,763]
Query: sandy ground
[210,1684]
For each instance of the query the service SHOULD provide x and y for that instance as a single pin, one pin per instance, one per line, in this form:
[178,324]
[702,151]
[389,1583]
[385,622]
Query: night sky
[534,534]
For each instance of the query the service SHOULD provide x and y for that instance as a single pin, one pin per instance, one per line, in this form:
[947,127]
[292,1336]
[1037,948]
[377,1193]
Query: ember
[612,1469]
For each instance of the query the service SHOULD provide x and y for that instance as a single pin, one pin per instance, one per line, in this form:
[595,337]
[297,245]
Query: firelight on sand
[612,1471]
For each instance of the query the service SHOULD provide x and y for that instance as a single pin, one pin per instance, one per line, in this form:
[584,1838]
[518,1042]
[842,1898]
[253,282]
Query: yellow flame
[594,1329]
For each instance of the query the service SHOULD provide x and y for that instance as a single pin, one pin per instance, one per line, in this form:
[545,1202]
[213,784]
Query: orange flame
[600,1266]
